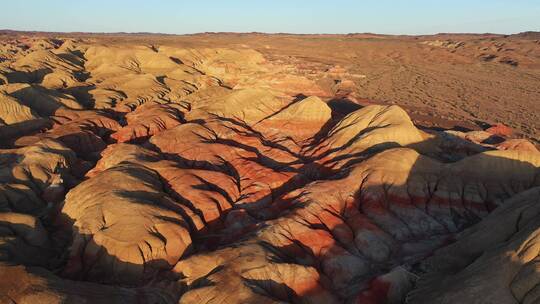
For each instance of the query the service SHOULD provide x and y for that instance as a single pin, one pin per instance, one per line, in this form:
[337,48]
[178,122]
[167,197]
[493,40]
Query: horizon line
[2,31]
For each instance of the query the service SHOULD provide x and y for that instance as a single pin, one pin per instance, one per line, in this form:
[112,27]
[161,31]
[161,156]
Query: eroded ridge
[169,175]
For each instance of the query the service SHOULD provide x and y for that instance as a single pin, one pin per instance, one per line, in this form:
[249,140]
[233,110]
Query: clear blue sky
[293,16]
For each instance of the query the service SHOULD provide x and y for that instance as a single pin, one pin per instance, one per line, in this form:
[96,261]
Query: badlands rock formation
[154,174]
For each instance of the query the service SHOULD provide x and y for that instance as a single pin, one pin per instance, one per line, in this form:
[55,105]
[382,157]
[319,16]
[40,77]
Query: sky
[292,16]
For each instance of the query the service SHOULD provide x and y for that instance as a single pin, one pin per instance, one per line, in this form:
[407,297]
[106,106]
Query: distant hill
[528,35]
[8,32]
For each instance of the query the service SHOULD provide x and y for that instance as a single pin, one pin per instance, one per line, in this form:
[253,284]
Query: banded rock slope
[159,174]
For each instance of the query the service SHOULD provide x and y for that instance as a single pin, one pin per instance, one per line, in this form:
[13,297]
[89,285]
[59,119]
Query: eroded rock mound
[28,285]
[149,119]
[126,231]
[495,261]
